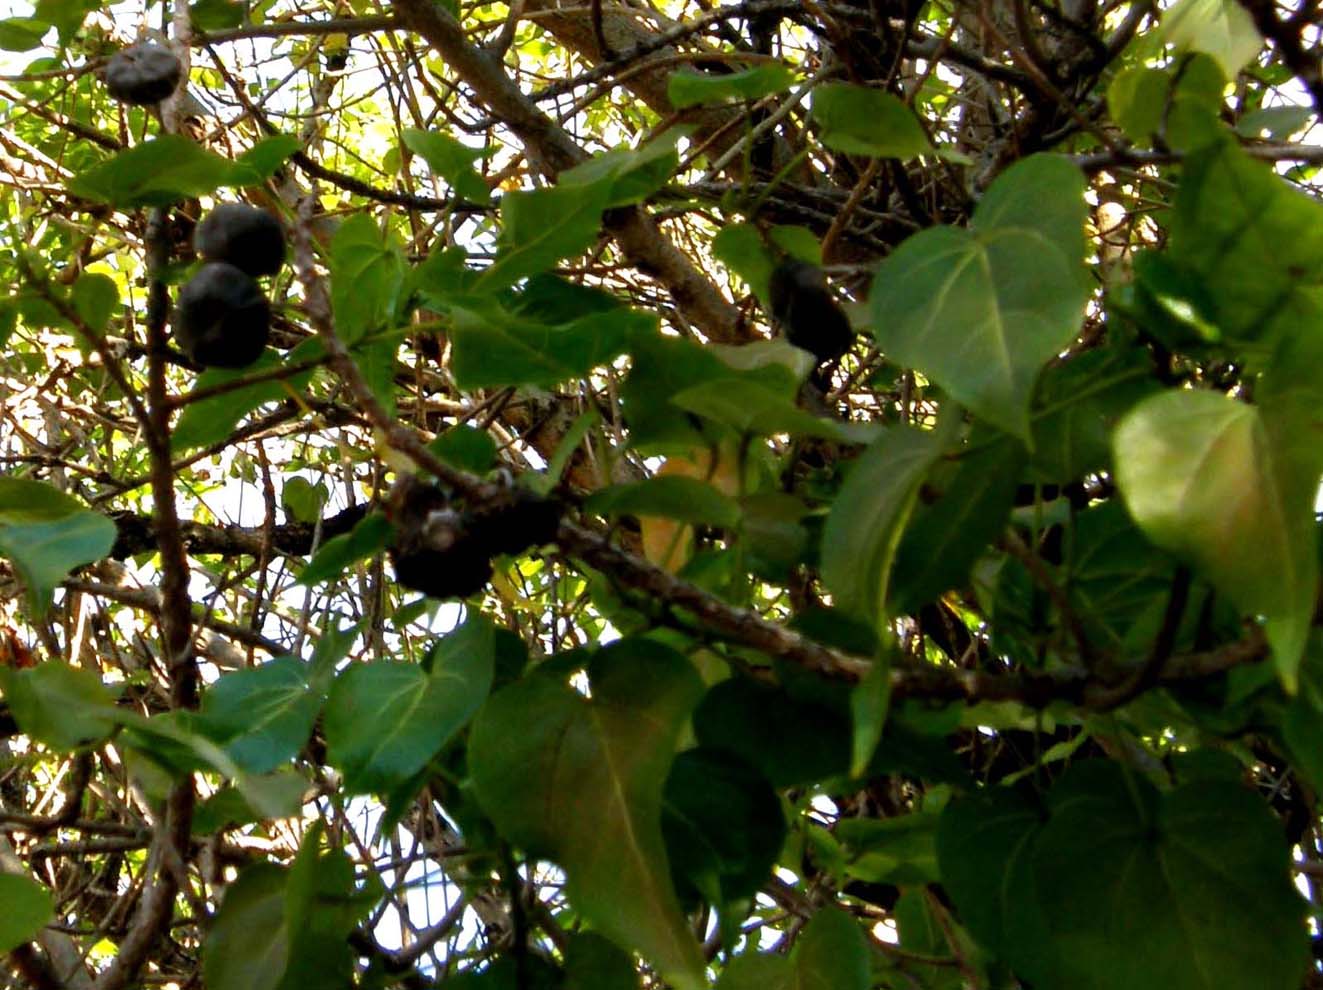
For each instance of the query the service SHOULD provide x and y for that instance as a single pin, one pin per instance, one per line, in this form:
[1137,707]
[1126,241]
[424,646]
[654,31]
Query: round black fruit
[803,304]
[459,572]
[143,74]
[247,237]
[221,319]
[514,524]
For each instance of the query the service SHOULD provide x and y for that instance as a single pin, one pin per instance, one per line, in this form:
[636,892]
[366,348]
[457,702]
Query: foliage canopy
[984,655]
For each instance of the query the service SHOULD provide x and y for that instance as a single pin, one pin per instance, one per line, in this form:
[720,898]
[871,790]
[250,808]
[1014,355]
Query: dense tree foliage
[782,494]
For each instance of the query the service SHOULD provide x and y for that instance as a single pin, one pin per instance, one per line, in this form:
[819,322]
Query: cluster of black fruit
[445,550]
[222,319]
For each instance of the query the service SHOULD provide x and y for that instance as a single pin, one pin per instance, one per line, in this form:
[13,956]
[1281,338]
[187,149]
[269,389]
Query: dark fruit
[143,74]
[446,553]
[250,239]
[459,572]
[221,319]
[524,520]
[803,305]
[433,551]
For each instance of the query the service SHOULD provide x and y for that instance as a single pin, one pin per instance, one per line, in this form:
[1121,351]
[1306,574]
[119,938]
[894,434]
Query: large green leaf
[944,539]
[95,297]
[66,16]
[594,963]
[1196,885]
[1252,245]
[170,745]
[21,34]
[539,227]
[1206,479]
[925,931]
[466,447]
[302,500]
[216,15]
[247,947]
[723,826]
[493,346]
[687,88]
[863,121]
[47,534]
[367,278]
[1123,888]
[264,158]
[384,720]
[740,247]
[1302,720]
[979,838]
[632,174]
[580,782]
[213,418]
[452,160]
[28,906]
[287,929]
[754,405]
[830,954]
[60,706]
[1117,579]
[1079,403]
[322,907]
[790,742]
[671,379]
[1141,98]
[660,367]
[864,528]
[159,172]
[901,850]
[375,357]
[980,311]
[262,716]
[1221,28]
[1136,98]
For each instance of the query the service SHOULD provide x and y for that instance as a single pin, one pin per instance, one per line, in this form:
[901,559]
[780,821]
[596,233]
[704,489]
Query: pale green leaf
[1204,479]
[384,720]
[539,227]
[95,297]
[46,534]
[367,277]
[863,121]
[28,906]
[452,160]
[159,172]
[981,311]
[1220,28]
[60,706]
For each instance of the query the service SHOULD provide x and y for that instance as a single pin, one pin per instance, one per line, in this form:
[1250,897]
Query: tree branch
[548,144]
